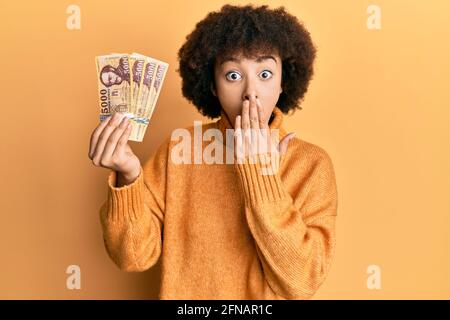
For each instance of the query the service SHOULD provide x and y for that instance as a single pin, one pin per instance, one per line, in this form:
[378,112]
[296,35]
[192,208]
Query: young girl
[228,230]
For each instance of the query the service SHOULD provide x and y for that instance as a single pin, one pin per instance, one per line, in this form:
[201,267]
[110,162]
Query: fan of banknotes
[130,83]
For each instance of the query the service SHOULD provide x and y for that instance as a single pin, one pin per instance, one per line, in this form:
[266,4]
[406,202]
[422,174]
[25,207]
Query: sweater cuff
[126,202]
[260,178]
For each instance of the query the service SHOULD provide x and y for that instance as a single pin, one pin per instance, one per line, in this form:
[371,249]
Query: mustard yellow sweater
[224,231]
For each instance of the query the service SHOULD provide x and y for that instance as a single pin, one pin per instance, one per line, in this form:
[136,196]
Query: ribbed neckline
[224,123]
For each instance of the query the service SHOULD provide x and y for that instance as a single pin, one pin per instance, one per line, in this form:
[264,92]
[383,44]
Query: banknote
[137,64]
[131,84]
[114,85]
[152,80]
[156,88]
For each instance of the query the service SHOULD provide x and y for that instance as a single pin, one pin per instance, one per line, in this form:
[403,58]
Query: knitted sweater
[225,231]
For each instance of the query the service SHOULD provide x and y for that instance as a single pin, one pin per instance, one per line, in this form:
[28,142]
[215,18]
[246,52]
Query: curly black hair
[251,31]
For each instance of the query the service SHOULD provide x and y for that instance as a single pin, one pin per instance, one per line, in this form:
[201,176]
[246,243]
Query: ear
[213,90]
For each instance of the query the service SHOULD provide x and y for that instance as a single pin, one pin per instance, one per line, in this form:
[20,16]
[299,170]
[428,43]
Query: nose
[248,94]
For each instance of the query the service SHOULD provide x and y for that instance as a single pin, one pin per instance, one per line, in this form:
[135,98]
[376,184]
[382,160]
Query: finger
[125,135]
[95,135]
[253,114]
[245,124]
[103,138]
[238,138]
[122,143]
[254,126]
[263,127]
[262,122]
[237,123]
[245,115]
[111,143]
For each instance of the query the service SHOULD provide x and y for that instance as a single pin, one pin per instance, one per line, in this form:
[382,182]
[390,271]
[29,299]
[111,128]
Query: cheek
[271,93]
[228,95]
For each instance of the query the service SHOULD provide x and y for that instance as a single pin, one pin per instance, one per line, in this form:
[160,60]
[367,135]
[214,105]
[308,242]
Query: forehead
[258,58]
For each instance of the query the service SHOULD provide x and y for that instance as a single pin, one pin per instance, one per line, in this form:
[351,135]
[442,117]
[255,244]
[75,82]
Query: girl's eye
[267,73]
[233,76]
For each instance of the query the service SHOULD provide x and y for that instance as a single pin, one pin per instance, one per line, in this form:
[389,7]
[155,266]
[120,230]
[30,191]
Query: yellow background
[378,103]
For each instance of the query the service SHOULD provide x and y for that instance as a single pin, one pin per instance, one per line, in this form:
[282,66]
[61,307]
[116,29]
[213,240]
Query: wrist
[126,178]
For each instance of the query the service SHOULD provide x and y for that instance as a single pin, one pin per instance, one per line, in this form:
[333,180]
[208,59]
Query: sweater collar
[224,122]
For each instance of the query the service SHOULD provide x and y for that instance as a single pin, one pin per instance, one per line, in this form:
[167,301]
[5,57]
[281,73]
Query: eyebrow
[259,59]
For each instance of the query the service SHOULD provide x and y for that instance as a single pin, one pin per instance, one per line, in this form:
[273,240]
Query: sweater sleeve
[295,237]
[132,217]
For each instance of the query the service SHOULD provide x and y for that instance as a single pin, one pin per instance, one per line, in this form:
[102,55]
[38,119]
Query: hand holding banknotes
[128,88]
[109,148]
